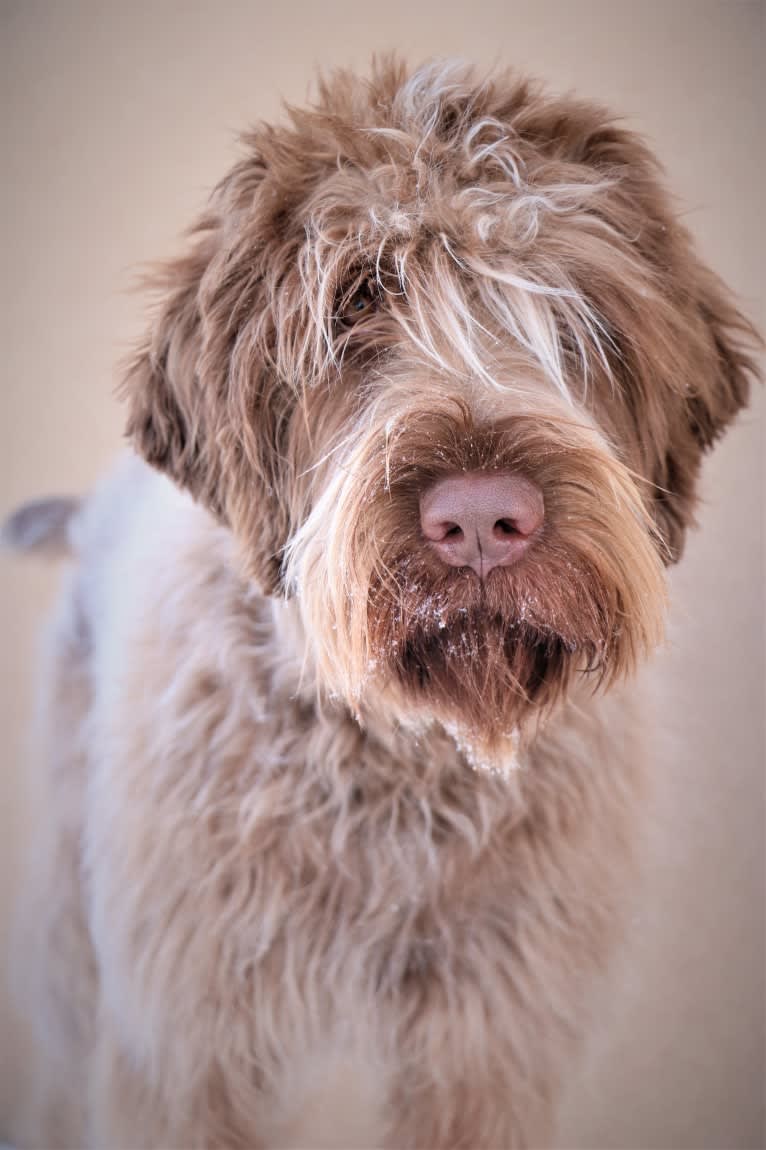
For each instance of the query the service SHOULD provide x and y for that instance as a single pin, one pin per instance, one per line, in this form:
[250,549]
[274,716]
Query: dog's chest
[359,951]
[290,930]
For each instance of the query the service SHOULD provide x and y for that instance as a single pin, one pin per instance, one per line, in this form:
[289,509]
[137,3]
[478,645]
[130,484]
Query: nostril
[442,531]
[481,519]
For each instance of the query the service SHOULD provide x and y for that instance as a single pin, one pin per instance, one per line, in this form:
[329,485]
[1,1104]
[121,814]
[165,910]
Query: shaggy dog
[341,809]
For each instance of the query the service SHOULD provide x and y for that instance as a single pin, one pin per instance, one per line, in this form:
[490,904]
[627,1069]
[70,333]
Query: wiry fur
[323,907]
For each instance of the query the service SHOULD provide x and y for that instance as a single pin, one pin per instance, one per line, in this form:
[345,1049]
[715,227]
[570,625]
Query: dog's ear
[203,406]
[716,345]
[725,388]
[684,352]
[168,418]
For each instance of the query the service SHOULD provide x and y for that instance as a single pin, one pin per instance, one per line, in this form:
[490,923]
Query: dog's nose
[481,519]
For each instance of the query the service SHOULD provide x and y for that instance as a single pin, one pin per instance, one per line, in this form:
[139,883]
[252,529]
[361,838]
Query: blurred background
[117,119]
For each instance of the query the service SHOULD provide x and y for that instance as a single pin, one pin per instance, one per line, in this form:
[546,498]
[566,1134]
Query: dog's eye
[358,303]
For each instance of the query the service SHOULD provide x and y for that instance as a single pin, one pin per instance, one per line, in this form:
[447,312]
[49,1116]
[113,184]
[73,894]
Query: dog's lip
[432,619]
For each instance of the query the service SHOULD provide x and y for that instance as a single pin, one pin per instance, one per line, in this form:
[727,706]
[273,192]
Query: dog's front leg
[447,1105]
[478,1065]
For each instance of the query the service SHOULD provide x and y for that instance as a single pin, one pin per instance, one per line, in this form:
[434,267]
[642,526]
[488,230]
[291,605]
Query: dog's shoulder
[152,565]
[132,501]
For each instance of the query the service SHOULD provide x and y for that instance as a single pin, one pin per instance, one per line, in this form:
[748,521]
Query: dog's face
[444,361]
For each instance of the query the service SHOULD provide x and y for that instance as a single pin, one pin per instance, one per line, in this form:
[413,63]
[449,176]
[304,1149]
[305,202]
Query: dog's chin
[488,673]
[491,658]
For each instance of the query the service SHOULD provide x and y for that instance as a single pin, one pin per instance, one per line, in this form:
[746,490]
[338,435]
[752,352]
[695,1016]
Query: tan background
[116,120]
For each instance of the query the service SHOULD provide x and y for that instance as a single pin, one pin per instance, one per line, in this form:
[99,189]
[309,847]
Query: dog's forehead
[491,215]
[422,149]
[437,160]
[418,182]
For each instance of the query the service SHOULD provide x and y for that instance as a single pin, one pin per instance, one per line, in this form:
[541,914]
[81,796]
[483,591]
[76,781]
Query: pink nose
[482,519]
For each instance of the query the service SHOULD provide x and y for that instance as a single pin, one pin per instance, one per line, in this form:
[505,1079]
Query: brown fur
[314,871]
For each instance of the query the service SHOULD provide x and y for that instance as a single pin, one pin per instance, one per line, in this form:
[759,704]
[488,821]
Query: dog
[345,764]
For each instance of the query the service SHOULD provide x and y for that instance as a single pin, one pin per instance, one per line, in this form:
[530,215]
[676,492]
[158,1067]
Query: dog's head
[444,360]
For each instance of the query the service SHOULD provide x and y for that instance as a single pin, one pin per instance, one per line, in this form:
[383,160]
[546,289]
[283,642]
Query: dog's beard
[489,654]
[394,628]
